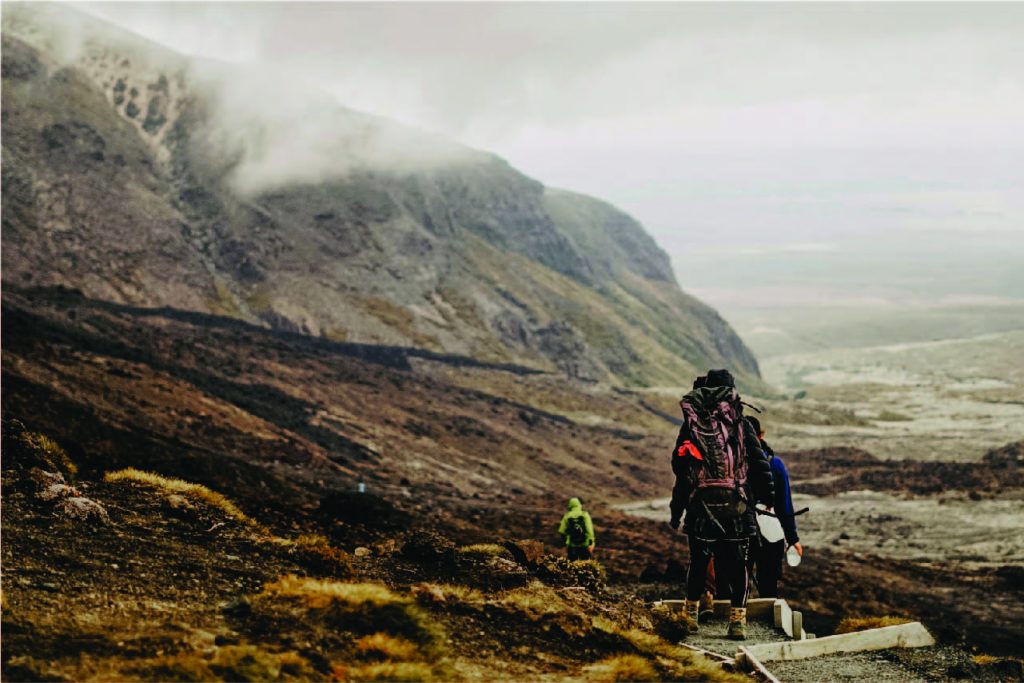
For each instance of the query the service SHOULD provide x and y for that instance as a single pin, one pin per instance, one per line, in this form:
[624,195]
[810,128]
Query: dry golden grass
[244,662]
[196,492]
[852,624]
[386,671]
[313,550]
[984,659]
[622,668]
[674,663]
[484,550]
[317,548]
[447,594]
[49,451]
[534,601]
[360,608]
[387,647]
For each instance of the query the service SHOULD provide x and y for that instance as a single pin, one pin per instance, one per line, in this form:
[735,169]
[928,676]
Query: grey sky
[790,128]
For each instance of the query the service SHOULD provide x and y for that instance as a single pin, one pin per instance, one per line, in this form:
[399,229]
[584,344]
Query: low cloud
[260,126]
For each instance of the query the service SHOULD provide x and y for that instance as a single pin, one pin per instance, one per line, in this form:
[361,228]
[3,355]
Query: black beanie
[720,378]
[700,382]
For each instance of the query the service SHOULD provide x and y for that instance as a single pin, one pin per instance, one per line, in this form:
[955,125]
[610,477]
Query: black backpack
[576,529]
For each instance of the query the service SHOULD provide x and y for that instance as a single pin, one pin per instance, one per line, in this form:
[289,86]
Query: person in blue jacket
[768,557]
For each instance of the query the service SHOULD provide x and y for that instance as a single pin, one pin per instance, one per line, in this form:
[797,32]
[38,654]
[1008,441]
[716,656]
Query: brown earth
[169,587]
[288,425]
[827,471]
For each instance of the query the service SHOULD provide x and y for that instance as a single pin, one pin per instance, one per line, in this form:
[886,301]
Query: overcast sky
[787,128]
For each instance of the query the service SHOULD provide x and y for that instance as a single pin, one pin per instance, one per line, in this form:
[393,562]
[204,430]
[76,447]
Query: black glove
[674,523]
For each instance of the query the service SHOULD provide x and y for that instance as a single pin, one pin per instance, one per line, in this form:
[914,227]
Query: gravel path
[712,636]
[873,666]
[861,666]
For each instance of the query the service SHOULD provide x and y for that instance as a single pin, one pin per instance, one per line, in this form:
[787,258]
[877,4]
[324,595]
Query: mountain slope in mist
[142,177]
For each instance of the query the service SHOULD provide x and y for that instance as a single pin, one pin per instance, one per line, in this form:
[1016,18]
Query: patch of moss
[336,334]
[30,449]
[893,416]
[484,550]
[561,571]
[399,319]
[224,301]
[259,301]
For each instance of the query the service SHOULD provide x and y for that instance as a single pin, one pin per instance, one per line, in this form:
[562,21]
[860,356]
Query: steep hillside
[142,177]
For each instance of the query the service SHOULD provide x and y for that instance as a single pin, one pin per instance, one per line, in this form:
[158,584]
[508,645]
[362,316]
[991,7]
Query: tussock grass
[244,662]
[984,659]
[196,492]
[670,624]
[447,594]
[313,550]
[672,662]
[34,448]
[387,647]
[623,668]
[534,601]
[369,632]
[484,550]
[360,608]
[561,571]
[386,671]
[317,549]
[852,624]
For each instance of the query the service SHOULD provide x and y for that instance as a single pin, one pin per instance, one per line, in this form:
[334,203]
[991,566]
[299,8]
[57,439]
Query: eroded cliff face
[141,177]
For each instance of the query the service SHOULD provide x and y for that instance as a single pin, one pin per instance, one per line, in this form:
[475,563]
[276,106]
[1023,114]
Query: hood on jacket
[575,504]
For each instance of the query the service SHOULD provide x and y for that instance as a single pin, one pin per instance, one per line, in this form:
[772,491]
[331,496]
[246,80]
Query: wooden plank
[751,662]
[798,626]
[724,659]
[783,617]
[913,634]
[760,608]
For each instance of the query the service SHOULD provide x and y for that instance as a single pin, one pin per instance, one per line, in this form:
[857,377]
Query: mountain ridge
[409,240]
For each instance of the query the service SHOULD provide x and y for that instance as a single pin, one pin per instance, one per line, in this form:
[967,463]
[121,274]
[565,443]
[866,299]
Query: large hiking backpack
[576,529]
[715,418]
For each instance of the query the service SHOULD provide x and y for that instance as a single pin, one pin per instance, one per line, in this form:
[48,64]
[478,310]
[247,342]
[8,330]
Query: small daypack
[576,529]
[715,418]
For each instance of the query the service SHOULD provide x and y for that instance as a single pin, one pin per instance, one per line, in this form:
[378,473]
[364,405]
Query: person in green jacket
[578,529]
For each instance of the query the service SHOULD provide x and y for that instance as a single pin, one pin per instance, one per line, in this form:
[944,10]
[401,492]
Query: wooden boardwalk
[775,633]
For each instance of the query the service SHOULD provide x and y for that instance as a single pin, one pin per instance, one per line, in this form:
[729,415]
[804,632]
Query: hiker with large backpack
[721,473]
[578,529]
[767,555]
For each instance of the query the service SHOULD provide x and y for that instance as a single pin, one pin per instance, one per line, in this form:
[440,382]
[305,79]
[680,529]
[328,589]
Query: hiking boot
[707,606]
[738,623]
[690,615]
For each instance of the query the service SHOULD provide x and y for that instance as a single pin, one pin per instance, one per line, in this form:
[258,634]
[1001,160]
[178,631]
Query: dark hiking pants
[579,552]
[730,568]
[768,567]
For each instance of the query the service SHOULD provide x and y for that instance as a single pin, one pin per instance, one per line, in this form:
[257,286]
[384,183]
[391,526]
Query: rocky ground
[160,580]
[288,426]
